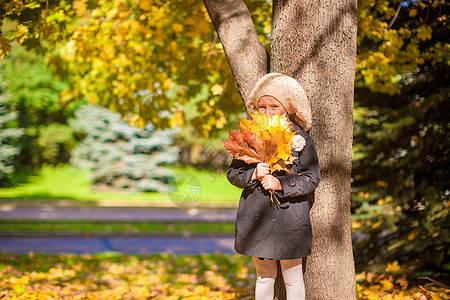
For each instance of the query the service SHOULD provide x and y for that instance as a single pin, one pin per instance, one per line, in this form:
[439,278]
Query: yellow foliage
[177,119]
[386,285]
[382,286]
[424,32]
[393,267]
[146,5]
[176,38]
[356,225]
[163,276]
[396,49]
[382,183]
[168,84]
[217,89]
[5,47]
[377,224]
[412,235]
[413,13]
[116,49]
[177,27]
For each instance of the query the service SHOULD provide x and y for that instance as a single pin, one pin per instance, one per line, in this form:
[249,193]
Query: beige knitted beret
[286,90]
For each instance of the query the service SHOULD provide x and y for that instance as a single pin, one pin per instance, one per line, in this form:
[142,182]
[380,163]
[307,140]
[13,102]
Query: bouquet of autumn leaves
[265,138]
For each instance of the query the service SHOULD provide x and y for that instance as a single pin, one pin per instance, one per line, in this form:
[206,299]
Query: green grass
[66,182]
[111,226]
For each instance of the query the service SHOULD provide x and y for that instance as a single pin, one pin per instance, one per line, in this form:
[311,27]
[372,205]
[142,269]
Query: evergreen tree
[121,156]
[9,135]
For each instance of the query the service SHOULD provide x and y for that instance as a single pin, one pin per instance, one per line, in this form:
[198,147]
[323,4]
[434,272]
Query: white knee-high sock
[264,289]
[293,279]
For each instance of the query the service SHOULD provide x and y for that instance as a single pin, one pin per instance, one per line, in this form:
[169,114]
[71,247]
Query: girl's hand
[270,182]
[261,170]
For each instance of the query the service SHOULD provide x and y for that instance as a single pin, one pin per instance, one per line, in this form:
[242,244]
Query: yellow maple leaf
[424,32]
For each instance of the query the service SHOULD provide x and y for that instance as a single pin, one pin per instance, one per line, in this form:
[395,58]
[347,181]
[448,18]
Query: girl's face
[270,105]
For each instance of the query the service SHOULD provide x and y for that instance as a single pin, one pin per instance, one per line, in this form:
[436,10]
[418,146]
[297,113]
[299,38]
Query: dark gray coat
[269,230]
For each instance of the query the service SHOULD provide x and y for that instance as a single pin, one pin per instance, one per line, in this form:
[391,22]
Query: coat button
[256,217]
[273,218]
[292,182]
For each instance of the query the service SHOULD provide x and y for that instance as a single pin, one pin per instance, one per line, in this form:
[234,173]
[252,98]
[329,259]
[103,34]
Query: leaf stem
[272,194]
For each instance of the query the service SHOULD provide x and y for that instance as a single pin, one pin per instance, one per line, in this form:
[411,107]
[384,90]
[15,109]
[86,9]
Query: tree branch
[395,16]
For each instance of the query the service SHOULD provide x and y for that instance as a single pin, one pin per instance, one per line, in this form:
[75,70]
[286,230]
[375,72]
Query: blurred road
[119,214]
[131,245]
[126,243]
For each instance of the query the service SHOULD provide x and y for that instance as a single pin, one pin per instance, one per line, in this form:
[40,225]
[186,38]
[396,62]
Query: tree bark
[246,55]
[314,42]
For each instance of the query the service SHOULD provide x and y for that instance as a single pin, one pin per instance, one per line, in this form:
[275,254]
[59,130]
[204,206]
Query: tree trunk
[314,42]
[246,55]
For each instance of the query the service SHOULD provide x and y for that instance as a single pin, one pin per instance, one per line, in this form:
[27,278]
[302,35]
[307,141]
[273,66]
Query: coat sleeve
[295,185]
[239,174]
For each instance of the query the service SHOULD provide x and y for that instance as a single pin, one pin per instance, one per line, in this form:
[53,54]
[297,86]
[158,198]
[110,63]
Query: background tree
[315,42]
[121,156]
[147,60]
[402,137]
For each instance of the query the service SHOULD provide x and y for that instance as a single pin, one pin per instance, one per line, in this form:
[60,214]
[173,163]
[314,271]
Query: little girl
[266,230]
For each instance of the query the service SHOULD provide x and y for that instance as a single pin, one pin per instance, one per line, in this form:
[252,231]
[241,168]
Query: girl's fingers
[262,171]
[265,183]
